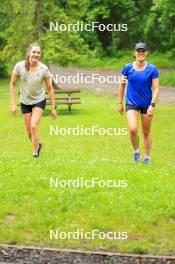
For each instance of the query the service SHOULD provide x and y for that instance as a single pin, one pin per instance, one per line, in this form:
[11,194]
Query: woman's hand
[14,109]
[54,113]
[150,110]
[120,108]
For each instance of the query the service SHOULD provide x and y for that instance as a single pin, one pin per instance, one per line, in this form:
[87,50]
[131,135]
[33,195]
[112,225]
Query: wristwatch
[153,104]
[54,107]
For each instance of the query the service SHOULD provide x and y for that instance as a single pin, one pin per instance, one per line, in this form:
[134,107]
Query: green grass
[167,78]
[161,60]
[29,208]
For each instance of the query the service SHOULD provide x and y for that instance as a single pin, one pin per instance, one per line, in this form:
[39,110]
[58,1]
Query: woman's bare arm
[155,85]
[51,96]
[13,81]
[121,94]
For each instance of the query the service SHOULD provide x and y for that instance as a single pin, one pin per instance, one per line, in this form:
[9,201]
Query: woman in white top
[32,74]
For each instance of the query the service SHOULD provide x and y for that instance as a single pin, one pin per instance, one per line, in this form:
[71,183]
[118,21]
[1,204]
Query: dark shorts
[28,108]
[143,111]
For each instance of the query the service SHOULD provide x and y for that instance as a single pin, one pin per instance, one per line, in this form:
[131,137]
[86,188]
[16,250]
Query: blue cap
[141,45]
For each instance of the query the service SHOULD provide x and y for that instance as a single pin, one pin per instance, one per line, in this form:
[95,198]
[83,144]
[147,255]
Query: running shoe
[36,155]
[146,161]
[40,147]
[136,157]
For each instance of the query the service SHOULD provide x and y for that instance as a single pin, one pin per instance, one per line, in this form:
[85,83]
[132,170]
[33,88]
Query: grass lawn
[117,62]
[168,78]
[29,208]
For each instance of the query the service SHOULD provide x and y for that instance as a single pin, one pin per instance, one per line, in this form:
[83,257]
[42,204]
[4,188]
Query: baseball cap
[141,45]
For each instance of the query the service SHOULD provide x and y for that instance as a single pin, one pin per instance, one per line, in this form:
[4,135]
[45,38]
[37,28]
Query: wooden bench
[64,96]
[67,99]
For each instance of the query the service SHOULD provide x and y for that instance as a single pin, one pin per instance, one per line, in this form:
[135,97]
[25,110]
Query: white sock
[137,151]
[147,157]
[35,153]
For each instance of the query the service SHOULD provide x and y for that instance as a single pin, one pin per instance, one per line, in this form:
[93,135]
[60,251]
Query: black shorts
[28,108]
[143,111]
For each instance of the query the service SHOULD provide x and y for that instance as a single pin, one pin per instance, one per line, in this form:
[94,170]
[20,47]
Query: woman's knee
[33,127]
[133,130]
[146,133]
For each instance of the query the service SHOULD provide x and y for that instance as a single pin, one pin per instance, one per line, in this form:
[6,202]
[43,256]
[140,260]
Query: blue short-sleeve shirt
[139,92]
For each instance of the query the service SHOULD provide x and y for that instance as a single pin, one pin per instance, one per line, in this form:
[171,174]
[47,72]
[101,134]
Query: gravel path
[46,256]
[100,84]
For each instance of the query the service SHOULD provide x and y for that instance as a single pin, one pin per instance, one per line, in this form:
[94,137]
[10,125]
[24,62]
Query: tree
[28,21]
[160,26]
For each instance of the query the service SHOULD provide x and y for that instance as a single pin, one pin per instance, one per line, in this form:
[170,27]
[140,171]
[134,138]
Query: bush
[3,69]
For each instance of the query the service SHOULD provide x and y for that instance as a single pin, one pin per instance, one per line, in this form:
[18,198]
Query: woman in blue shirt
[142,92]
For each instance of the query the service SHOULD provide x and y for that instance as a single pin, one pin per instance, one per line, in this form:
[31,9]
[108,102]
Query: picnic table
[64,96]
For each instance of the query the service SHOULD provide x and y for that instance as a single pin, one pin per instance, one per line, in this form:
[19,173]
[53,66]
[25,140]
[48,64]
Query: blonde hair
[27,64]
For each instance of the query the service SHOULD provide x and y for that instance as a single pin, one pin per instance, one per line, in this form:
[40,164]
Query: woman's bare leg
[27,122]
[132,117]
[146,131]
[36,117]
